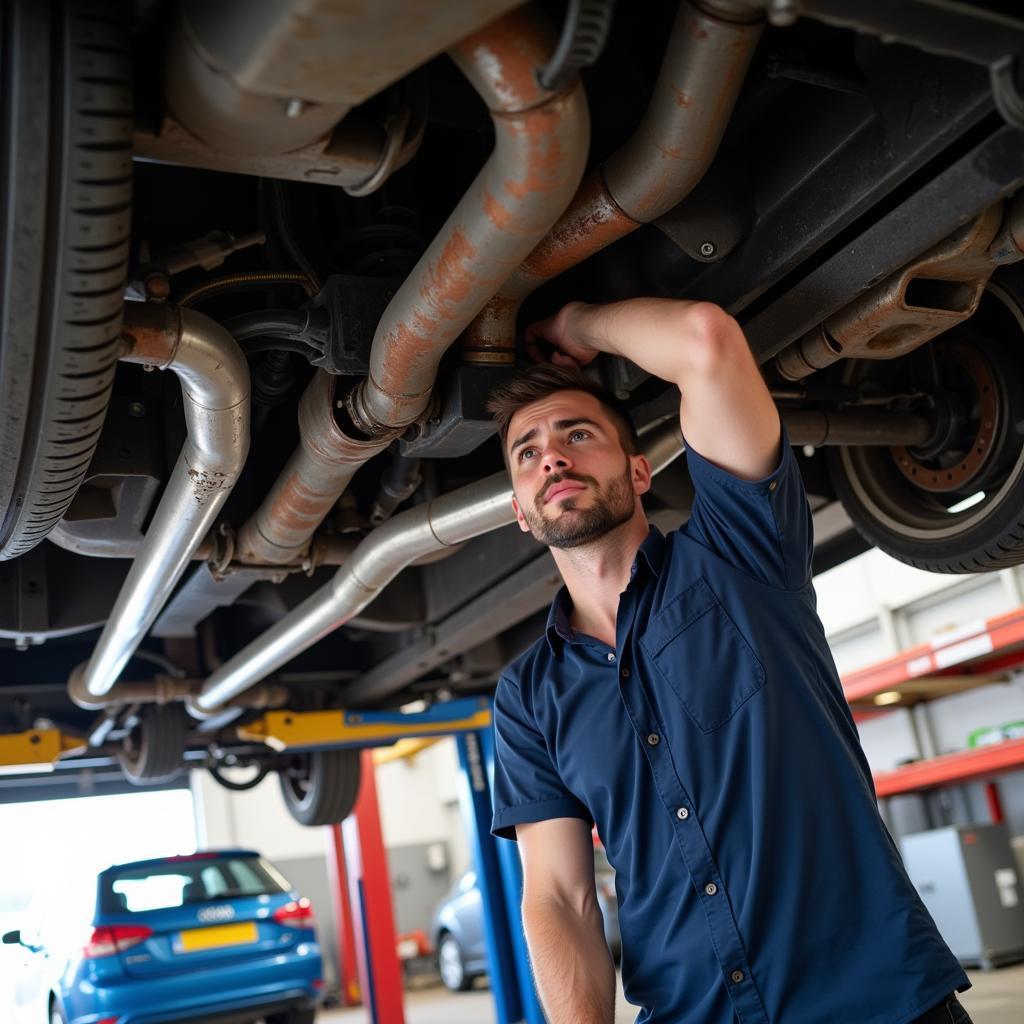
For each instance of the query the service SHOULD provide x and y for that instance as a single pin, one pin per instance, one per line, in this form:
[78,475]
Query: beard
[611,506]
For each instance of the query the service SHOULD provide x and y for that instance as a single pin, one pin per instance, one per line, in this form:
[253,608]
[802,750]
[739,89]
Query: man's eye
[525,454]
[578,434]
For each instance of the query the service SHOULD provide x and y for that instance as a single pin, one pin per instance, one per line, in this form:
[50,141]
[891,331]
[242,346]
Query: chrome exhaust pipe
[448,520]
[214,380]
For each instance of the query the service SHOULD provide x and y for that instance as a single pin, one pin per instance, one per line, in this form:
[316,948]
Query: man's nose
[555,461]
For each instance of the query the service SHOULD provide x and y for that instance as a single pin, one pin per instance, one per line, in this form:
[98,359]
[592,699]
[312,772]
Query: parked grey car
[457,930]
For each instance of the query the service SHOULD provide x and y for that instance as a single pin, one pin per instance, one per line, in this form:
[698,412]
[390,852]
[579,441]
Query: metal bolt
[295,108]
[136,409]
[707,249]
[21,643]
[158,288]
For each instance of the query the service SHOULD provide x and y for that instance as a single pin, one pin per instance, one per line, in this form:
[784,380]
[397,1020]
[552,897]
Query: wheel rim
[450,963]
[882,479]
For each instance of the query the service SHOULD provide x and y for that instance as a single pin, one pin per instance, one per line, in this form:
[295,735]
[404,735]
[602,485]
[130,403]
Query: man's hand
[726,411]
[557,332]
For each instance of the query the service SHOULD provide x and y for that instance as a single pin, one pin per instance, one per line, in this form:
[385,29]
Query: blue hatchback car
[208,938]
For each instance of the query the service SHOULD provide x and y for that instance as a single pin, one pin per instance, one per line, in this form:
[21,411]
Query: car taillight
[297,913]
[115,938]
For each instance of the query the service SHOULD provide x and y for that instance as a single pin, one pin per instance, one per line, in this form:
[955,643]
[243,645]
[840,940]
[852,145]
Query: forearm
[668,338]
[571,963]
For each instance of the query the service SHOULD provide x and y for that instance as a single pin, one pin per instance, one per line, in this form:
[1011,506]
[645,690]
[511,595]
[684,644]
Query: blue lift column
[512,886]
[499,878]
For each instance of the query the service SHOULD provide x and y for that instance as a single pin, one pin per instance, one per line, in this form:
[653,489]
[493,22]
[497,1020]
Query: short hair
[547,379]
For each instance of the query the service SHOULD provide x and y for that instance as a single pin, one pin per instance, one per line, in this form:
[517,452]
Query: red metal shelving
[949,663]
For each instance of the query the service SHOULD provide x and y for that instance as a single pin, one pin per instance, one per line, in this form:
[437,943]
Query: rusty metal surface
[150,333]
[541,143]
[317,473]
[944,479]
[701,74]
[854,427]
[346,156]
[274,77]
[702,71]
[326,51]
[935,292]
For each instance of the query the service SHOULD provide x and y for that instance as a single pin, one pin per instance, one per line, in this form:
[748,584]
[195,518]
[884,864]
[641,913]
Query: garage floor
[996,998]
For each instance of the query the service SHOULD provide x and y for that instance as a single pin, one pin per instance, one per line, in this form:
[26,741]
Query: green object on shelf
[986,736]
[1013,730]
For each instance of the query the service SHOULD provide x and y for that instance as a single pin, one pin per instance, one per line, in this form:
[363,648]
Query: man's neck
[596,574]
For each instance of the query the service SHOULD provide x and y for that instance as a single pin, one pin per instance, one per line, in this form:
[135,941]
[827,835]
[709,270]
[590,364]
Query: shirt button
[711,888]
[737,976]
[625,673]
[773,485]
[610,656]
[682,814]
[653,739]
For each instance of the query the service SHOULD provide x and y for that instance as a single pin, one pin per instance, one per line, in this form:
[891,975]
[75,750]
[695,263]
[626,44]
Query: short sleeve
[762,527]
[527,787]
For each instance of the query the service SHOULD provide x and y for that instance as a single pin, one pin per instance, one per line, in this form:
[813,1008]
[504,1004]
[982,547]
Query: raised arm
[571,963]
[726,411]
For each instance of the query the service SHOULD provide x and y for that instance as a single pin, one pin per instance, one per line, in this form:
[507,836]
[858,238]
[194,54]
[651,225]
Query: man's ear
[519,516]
[640,474]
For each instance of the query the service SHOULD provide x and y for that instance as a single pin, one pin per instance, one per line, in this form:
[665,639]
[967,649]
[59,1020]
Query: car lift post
[504,968]
[512,893]
[361,856]
[380,973]
[349,989]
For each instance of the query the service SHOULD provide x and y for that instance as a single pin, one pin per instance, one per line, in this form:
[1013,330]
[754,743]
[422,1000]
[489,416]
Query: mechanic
[684,698]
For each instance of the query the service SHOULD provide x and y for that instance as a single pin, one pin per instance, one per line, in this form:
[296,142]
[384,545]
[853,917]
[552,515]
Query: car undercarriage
[263,264]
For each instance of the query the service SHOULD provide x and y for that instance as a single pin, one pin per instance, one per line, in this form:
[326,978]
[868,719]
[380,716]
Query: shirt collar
[558,629]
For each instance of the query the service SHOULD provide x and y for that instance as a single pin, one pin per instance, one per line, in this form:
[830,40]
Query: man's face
[573,481]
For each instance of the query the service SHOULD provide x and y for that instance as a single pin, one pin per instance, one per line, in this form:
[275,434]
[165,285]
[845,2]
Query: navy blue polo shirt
[716,753]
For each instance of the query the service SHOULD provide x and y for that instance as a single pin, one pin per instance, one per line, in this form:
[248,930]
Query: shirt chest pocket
[701,654]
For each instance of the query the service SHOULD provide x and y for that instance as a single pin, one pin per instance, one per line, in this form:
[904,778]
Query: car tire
[451,964]
[982,365]
[320,786]
[153,751]
[65,193]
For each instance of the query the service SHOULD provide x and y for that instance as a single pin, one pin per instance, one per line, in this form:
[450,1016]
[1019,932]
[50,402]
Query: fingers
[561,359]
[537,340]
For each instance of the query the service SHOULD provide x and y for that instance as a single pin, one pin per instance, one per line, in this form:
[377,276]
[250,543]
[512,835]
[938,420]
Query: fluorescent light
[888,697]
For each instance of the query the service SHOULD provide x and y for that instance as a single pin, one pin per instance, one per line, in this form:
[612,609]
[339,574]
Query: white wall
[873,606]
[418,804]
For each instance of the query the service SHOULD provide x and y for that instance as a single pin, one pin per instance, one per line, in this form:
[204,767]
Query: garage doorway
[53,850]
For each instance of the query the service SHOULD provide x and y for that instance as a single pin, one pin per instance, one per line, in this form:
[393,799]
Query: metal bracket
[287,730]
[26,751]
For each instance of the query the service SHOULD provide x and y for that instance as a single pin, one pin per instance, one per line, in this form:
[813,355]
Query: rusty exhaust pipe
[703,69]
[541,144]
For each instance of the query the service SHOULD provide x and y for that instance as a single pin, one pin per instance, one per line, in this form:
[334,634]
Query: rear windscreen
[179,882]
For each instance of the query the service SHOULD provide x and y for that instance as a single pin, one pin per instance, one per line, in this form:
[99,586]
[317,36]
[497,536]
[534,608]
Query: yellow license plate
[217,936]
